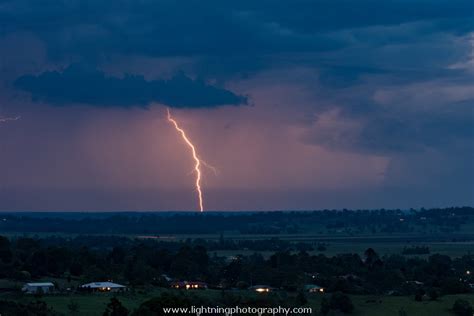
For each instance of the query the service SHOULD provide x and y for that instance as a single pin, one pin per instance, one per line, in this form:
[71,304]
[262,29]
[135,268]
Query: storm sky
[298,104]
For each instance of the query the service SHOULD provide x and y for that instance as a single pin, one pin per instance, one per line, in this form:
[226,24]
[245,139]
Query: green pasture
[336,243]
[365,305]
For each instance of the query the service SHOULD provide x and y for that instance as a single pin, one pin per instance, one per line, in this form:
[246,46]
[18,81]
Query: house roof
[40,284]
[99,285]
[260,286]
[189,282]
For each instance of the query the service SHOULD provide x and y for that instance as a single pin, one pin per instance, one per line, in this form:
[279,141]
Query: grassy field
[384,244]
[452,249]
[391,305]
[90,304]
[336,243]
[365,305]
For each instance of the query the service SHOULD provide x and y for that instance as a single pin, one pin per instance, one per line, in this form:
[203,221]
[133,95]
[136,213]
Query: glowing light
[198,162]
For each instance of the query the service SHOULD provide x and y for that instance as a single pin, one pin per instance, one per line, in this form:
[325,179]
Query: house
[103,287]
[34,288]
[189,285]
[261,288]
[313,288]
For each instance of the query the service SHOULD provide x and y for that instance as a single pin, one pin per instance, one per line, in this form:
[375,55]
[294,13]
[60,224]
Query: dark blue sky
[299,104]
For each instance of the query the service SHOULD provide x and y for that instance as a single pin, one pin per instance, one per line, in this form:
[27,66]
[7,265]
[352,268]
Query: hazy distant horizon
[249,201]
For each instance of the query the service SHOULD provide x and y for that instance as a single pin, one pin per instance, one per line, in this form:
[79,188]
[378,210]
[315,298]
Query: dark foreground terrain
[386,262]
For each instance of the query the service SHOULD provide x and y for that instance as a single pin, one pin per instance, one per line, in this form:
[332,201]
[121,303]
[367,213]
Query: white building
[34,288]
[104,287]
[313,288]
[261,288]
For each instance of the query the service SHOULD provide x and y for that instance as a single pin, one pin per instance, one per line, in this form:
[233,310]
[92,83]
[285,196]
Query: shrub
[115,308]
[342,302]
[462,308]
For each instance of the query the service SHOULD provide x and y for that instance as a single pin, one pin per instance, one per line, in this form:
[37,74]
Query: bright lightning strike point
[197,161]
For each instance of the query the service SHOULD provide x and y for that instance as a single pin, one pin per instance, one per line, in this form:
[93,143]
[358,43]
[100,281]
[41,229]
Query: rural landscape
[390,262]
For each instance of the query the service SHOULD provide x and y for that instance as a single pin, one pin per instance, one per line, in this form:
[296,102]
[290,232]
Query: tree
[454,286]
[301,299]
[5,251]
[139,272]
[34,308]
[439,265]
[321,247]
[462,308]
[419,295]
[38,308]
[73,308]
[325,307]
[338,301]
[115,308]
[371,257]
[433,294]
[342,302]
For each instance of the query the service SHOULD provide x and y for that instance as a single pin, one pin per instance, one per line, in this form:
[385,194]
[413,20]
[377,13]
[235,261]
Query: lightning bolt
[197,161]
[7,119]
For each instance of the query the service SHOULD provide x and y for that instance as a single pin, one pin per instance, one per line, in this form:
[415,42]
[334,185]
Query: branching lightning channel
[197,161]
[7,119]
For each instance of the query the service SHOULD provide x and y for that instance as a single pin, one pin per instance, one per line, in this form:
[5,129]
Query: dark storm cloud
[337,76]
[153,28]
[79,85]
[377,130]
[397,42]
[416,132]
[393,40]
[232,37]
[169,28]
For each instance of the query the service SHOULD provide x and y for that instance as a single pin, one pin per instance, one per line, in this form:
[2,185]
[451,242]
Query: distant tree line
[369,221]
[416,250]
